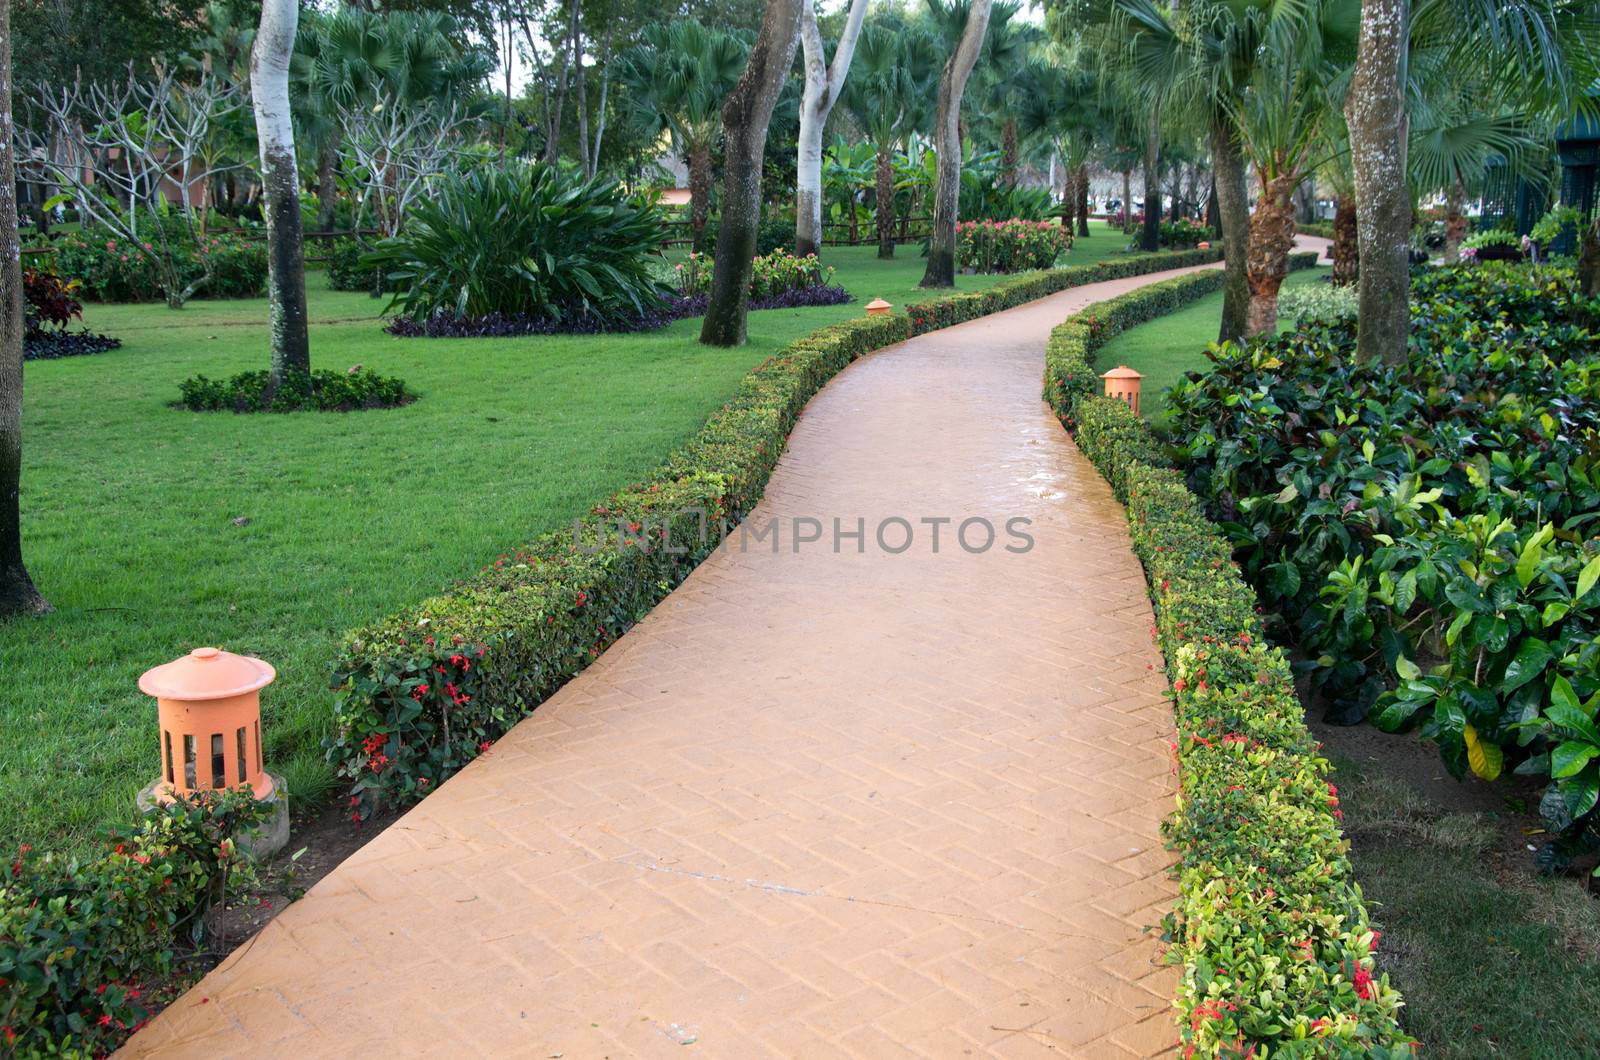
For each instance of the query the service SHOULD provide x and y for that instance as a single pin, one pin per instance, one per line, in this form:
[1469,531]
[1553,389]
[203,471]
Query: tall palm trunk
[1346,261]
[1589,259]
[17,593]
[1233,213]
[941,270]
[1455,224]
[1069,198]
[286,265]
[1010,153]
[1150,237]
[1375,113]
[745,117]
[327,190]
[1083,198]
[1127,201]
[699,190]
[885,202]
[823,84]
[1267,261]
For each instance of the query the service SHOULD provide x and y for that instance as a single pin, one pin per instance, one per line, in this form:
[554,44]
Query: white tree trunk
[286,275]
[823,86]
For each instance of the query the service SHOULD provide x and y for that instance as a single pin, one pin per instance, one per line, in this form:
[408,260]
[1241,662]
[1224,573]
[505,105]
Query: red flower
[418,692]
[1363,984]
[105,1020]
[483,747]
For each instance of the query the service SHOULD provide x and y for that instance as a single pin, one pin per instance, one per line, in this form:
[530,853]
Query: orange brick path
[814,805]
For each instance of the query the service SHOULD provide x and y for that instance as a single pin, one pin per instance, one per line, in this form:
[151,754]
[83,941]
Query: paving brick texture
[821,802]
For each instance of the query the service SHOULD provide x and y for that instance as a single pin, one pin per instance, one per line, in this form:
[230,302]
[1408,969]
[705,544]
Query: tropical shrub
[525,241]
[1270,929]
[771,275]
[1184,233]
[1492,244]
[1317,303]
[321,389]
[1324,229]
[49,304]
[1427,530]
[1558,222]
[109,269]
[1010,246]
[83,942]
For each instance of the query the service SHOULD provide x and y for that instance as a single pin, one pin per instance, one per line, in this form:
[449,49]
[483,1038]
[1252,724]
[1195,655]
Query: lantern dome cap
[1122,371]
[207,673]
[879,303]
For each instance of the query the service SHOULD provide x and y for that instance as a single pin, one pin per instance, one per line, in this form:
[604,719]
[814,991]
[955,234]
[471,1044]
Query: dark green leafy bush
[1427,531]
[349,269]
[525,241]
[1270,928]
[1183,233]
[321,389]
[83,942]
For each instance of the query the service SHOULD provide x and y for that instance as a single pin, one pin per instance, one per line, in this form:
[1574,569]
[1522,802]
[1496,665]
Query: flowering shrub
[321,390]
[109,269]
[1010,246]
[1184,233]
[1270,928]
[82,941]
[954,309]
[771,276]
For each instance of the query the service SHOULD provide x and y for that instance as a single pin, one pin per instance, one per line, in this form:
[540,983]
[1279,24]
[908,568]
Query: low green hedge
[943,312]
[1270,927]
[1318,228]
[426,690]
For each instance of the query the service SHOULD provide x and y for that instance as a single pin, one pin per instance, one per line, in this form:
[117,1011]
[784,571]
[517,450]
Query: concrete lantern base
[261,842]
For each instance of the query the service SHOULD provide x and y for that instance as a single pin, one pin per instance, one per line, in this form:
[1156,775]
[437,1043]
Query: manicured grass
[1492,960]
[153,530]
[1166,348]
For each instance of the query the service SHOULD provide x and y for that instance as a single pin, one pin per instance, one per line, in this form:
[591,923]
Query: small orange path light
[1204,244]
[878,308]
[1122,383]
[208,709]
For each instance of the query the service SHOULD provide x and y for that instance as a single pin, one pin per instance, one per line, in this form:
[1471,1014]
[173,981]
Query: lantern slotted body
[1122,383]
[208,704]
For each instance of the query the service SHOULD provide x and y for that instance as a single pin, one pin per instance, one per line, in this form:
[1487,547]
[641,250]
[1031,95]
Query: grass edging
[1270,927]
[428,689]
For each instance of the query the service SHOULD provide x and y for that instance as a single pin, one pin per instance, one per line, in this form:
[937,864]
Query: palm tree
[887,97]
[677,78]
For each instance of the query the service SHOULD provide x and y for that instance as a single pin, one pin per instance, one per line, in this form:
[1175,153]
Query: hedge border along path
[428,689]
[1270,927]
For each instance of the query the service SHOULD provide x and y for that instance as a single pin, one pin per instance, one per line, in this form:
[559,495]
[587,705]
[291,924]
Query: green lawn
[1165,348]
[153,530]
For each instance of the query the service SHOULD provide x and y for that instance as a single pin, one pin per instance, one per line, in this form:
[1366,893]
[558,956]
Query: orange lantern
[1122,383]
[1204,244]
[878,308]
[208,705]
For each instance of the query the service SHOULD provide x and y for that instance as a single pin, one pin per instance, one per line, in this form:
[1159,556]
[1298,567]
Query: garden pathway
[816,804]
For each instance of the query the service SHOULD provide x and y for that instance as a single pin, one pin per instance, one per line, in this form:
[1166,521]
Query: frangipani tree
[824,82]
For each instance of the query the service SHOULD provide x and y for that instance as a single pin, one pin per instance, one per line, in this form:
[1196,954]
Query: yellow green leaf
[1486,759]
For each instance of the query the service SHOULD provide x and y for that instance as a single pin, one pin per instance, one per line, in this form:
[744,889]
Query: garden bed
[1270,928]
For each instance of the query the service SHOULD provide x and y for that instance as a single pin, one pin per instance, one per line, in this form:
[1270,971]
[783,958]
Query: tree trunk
[1375,113]
[1010,153]
[1213,221]
[583,103]
[745,116]
[1150,236]
[822,88]
[1589,259]
[1069,197]
[941,271]
[605,89]
[552,146]
[1127,202]
[699,191]
[885,202]
[1346,262]
[1177,197]
[286,267]
[1083,198]
[1455,224]
[1233,215]
[327,190]
[17,593]
[1267,261]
